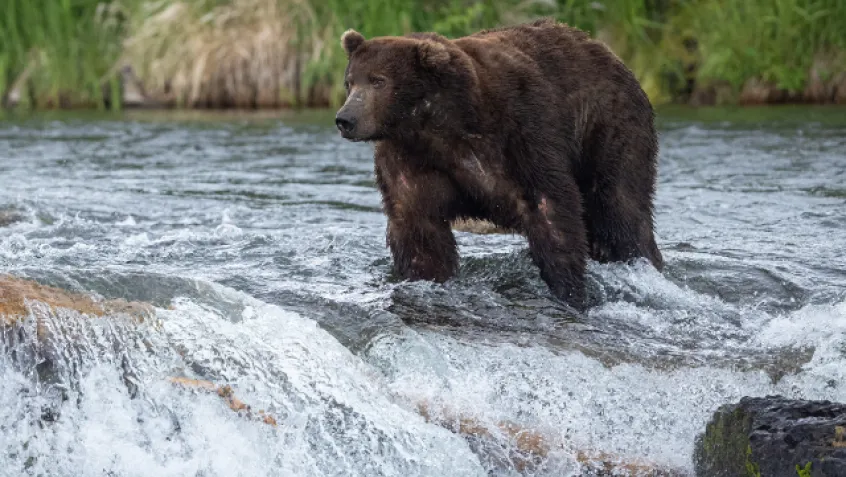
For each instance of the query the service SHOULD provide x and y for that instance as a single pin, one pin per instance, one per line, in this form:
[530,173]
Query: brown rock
[532,446]
[17,297]
[601,464]
[525,440]
[40,323]
[228,395]
[16,293]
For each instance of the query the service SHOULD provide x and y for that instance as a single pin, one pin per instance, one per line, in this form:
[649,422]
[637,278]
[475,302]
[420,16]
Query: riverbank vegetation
[282,53]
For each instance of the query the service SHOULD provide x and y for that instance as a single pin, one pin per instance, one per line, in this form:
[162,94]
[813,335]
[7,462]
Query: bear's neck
[432,148]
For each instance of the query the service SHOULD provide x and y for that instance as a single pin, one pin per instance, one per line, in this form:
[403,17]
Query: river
[260,241]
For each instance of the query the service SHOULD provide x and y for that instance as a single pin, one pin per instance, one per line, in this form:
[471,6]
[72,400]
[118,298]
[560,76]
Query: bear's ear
[351,40]
[432,54]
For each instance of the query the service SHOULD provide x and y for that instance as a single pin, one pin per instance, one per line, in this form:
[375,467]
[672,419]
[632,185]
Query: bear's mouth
[353,138]
[350,137]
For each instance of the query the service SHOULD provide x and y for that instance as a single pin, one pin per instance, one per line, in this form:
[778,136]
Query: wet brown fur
[536,128]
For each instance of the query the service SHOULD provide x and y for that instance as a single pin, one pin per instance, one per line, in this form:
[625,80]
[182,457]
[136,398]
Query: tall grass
[67,45]
[773,40]
[638,31]
[215,53]
[729,41]
[451,18]
[271,53]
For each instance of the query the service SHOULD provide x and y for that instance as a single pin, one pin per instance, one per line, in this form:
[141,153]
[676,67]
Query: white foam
[335,416]
[129,221]
[629,409]
[810,325]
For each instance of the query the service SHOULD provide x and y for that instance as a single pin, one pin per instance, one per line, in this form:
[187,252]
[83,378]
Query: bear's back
[566,57]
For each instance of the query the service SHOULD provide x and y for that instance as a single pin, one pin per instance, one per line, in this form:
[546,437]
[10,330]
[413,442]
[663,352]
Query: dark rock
[774,437]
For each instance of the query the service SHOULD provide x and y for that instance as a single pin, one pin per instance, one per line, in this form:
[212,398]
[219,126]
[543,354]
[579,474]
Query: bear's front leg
[423,248]
[558,243]
[419,234]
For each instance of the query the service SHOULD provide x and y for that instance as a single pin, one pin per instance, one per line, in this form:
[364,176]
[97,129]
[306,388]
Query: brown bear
[536,128]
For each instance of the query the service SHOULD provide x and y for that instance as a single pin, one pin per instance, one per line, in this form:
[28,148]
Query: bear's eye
[377,82]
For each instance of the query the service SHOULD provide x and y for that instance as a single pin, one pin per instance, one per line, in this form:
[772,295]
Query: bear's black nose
[345,124]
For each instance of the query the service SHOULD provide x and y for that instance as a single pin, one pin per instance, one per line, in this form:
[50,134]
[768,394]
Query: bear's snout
[345,123]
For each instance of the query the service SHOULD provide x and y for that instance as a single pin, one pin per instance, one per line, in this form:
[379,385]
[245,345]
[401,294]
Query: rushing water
[260,241]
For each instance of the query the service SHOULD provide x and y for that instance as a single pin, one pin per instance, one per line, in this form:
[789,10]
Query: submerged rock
[17,296]
[774,437]
[44,328]
[40,325]
[509,446]
[227,394]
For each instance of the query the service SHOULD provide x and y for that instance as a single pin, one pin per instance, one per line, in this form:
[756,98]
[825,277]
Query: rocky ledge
[774,437]
[31,313]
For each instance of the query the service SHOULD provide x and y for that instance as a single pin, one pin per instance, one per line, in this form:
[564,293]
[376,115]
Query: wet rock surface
[774,437]
[56,314]
[260,244]
[17,296]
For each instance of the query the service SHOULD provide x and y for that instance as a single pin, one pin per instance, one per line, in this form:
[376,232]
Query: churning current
[260,243]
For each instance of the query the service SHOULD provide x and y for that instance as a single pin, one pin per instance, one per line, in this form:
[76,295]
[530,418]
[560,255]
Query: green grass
[776,41]
[214,53]
[451,18]
[804,471]
[69,45]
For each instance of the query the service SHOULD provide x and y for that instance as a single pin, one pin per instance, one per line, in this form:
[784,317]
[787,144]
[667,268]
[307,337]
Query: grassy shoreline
[280,54]
[666,115]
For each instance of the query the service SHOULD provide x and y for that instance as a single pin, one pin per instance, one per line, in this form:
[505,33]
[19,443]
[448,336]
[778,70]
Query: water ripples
[261,245]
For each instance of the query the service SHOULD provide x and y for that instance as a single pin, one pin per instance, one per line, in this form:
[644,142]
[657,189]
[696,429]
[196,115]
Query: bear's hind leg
[618,236]
[619,201]
[558,243]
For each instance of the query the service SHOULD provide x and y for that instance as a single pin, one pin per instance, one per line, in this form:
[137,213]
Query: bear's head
[396,84]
